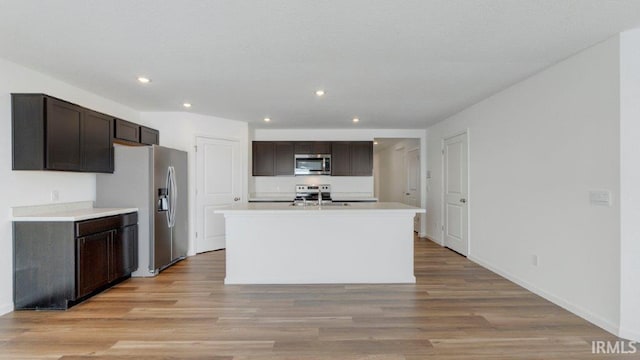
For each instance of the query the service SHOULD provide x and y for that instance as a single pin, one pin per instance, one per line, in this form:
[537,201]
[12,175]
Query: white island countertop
[65,212]
[332,208]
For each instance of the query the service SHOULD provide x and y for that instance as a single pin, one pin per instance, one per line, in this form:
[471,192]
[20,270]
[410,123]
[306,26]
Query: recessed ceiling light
[320,92]
[355,120]
[267,119]
[144,80]
[187,105]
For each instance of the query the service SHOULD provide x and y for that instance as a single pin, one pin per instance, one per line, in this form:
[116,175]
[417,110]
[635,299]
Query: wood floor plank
[456,310]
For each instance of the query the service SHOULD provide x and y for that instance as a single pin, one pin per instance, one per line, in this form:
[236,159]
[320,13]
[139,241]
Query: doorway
[397,172]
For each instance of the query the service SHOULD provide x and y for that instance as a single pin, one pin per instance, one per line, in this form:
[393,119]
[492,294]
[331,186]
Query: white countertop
[266,208]
[65,212]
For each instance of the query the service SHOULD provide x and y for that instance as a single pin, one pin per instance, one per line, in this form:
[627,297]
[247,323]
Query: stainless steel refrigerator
[154,180]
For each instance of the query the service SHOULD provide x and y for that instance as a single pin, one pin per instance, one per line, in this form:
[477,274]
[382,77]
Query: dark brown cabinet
[352,158]
[284,164]
[348,158]
[93,262]
[273,158]
[123,259]
[149,136]
[58,264]
[52,134]
[97,142]
[312,147]
[126,131]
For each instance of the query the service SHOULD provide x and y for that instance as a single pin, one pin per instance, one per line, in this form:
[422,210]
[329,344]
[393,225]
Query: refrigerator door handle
[173,193]
[170,200]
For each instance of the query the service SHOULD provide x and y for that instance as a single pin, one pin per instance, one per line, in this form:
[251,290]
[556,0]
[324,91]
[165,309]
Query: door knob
[236,199]
[463,200]
[407,193]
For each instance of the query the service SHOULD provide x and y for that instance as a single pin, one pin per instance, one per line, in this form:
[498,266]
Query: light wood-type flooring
[457,310]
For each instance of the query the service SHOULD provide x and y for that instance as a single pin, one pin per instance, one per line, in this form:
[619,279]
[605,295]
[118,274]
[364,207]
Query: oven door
[311,165]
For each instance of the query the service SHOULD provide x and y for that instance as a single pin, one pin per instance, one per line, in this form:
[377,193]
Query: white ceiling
[392,63]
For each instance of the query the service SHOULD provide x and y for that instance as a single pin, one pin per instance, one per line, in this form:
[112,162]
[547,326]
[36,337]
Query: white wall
[34,187]
[630,184]
[179,130]
[535,151]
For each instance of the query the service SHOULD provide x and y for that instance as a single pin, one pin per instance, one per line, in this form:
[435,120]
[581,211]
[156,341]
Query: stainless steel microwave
[313,164]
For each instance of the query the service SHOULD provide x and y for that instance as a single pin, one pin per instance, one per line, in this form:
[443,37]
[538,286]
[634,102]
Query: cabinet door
[321,147]
[128,131]
[361,158]
[284,163]
[263,158]
[340,158]
[303,147]
[97,142]
[63,134]
[92,262]
[123,253]
[149,136]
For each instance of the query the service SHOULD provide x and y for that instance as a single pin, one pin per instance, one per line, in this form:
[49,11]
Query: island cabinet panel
[52,134]
[149,136]
[58,264]
[352,158]
[312,147]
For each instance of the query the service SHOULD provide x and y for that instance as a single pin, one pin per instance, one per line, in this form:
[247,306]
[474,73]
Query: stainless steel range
[313,194]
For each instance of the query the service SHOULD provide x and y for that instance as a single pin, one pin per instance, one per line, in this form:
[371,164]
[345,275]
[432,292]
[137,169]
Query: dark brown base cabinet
[58,264]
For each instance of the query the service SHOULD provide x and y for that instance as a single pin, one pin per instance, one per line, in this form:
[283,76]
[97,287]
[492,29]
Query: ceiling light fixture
[375,143]
[187,105]
[320,92]
[144,80]
[267,119]
[355,120]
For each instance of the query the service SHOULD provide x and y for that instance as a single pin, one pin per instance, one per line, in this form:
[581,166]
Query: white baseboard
[433,239]
[629,334]
[577,310]
[6,308]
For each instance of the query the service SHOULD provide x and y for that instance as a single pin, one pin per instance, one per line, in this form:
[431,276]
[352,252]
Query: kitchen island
[277,243]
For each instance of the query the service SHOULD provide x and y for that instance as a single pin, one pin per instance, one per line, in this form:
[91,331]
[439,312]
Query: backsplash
[285,185]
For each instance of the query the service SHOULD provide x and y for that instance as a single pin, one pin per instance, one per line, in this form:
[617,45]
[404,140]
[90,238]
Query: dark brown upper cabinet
[312,147]
[52,134]
[126,131]
[149,136]
[273,158]
[352,158]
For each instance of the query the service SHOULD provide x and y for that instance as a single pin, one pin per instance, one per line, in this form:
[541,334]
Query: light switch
[600,197]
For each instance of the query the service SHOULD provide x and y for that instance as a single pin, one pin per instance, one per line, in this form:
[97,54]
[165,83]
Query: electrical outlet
[534,260]
[55,196]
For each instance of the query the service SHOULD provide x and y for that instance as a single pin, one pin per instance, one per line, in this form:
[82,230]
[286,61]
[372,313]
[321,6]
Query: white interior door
[412,195]
[218,184]
[455,194]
